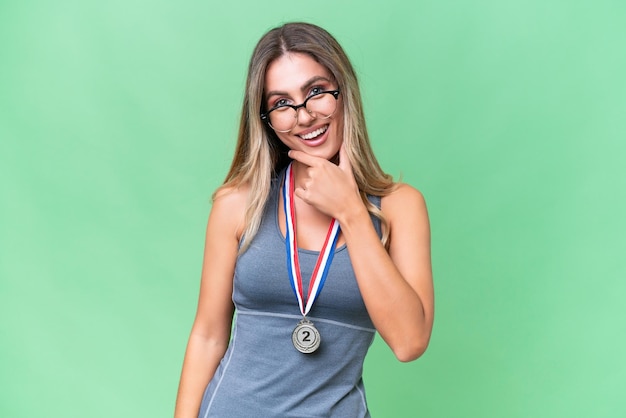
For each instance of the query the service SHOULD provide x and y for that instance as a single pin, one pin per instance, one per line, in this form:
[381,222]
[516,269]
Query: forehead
[291,71]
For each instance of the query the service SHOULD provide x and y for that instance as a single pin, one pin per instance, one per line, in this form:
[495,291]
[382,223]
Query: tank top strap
[376,201]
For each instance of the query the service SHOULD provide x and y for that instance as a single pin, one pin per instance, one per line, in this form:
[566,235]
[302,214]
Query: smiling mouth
[315,133]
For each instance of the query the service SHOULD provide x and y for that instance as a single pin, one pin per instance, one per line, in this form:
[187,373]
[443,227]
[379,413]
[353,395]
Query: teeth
[315,133]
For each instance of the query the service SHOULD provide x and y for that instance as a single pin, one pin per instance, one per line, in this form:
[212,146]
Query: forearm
[201,360]
[396,308]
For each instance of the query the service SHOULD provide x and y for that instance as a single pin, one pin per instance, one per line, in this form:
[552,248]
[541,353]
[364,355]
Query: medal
[305,337]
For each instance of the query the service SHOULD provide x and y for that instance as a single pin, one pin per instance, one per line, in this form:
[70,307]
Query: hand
[328,187]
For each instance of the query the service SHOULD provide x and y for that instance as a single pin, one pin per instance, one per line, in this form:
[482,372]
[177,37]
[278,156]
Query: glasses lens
[321,105]
[283,119]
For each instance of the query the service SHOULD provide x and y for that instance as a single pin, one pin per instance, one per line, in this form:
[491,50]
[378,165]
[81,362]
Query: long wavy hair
[260,155]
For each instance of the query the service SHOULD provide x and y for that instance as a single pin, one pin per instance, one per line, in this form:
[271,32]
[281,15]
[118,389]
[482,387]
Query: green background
[118,120]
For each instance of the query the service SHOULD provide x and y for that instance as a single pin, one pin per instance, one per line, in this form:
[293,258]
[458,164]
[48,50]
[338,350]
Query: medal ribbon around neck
[293,262]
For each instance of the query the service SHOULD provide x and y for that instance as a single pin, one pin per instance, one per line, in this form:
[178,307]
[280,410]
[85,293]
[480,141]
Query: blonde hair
[260,155]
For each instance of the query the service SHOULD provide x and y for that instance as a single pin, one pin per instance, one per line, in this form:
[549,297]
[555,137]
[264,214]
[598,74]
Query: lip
[312,129]
[317,141]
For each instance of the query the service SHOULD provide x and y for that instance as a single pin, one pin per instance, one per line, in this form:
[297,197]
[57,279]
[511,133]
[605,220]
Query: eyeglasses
[283,118]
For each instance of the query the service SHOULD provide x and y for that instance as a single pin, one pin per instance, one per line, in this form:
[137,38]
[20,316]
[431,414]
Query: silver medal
[305,337]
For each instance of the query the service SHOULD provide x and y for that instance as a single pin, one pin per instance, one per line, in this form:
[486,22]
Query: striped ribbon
[293,263]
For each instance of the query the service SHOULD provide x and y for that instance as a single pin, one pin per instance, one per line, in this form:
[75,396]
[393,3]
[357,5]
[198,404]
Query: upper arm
[409,245]
[215,307]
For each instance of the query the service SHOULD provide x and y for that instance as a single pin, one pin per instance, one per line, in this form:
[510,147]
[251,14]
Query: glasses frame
[265,116]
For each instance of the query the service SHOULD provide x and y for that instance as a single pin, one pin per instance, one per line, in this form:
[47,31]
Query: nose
[306,117]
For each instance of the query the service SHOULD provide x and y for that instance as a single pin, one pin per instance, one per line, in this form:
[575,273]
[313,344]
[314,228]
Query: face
[291,79]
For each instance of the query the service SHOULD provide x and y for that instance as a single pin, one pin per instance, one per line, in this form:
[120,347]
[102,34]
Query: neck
[304,209]
[298,171]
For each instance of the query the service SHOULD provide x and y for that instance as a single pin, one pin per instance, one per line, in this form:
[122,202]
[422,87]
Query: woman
[303,326]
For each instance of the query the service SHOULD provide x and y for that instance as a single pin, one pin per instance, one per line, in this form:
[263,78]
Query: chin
[330,155]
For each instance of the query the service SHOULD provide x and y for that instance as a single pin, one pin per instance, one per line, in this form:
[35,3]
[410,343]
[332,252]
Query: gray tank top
[262,375]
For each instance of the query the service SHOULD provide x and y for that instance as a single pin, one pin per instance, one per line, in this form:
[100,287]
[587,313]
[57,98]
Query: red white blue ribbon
[293,263]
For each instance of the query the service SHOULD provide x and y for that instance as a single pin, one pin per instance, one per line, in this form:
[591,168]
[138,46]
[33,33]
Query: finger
[300,193]
[344,161]
[305,158]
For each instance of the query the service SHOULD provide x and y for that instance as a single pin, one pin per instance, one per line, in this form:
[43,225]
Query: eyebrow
[303,88]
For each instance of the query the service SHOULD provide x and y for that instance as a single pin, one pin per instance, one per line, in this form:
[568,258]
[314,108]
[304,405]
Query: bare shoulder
[409,227]
[405,199]
[231,196]
[229,206]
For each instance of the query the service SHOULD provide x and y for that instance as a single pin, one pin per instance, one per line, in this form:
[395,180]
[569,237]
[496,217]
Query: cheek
[338,122]
[283,139]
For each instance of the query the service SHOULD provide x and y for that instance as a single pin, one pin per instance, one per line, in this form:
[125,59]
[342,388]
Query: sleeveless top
[262,375]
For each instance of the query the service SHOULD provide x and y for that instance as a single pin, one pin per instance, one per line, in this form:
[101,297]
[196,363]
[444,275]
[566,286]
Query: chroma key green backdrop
[118,120]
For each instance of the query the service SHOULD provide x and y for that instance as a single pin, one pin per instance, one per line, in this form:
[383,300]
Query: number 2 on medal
[306,334]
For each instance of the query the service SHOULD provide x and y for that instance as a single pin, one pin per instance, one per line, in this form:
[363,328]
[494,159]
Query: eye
[316,90]
[280,102]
